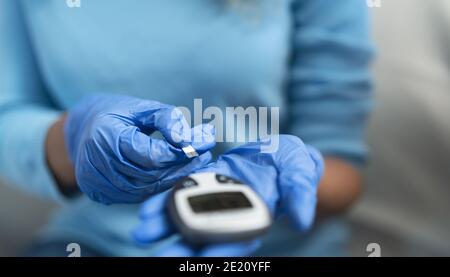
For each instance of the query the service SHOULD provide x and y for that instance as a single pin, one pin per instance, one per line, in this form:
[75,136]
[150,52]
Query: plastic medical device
[209,207]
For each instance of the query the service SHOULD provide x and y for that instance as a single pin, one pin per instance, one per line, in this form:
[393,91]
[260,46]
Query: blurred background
[407,199]
[407,194]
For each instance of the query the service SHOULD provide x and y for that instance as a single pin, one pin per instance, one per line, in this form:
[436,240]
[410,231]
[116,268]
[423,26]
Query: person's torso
[224,52]
[227,53]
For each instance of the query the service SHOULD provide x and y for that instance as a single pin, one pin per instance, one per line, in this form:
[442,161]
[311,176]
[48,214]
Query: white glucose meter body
[209,207]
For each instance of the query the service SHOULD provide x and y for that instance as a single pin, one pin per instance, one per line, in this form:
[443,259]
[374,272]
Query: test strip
[190,151]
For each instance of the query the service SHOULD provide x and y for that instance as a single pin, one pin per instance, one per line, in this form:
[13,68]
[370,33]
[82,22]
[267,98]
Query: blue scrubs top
[308,57]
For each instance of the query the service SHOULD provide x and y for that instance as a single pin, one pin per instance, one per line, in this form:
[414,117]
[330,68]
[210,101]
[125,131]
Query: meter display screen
[219,201]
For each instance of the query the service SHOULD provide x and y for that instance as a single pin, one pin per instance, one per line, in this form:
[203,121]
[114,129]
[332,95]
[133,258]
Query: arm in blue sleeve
[25,111]
[330,83]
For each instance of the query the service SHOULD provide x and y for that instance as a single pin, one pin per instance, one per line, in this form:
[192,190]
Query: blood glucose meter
[209,207]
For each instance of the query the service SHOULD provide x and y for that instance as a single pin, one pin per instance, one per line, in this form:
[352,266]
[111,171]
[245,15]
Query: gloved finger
[147,152]
[153,229]
[238,249]
[166,119]
[138,174]
[317,157]
[298,183]
[155,205]
[154,222]
[300,207]
[171,174]
[172,124]
[203,137]
[179,248]
[144,151]
[250,172]
[137,181]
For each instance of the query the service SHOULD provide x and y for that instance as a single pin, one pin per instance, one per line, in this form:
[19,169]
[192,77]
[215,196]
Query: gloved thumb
[172,124]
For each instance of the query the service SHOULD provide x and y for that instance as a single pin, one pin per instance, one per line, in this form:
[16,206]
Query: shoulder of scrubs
[330,83]
[25,110]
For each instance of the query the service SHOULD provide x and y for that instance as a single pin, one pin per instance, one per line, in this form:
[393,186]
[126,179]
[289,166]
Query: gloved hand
[286,180]
[116,160]
[156,225]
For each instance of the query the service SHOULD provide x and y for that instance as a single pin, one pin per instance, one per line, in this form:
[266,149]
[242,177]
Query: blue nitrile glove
[116,160]
[286,179]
